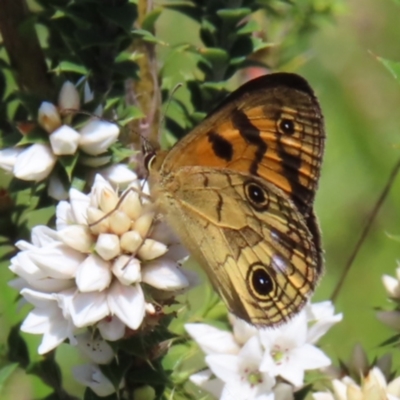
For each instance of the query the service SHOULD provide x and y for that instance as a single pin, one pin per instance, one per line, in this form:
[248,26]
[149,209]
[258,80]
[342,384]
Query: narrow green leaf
[68,66]
[69,163]
[392,66]
[120,153]
[150,19]
[147,36]
[233,15]
[129,114]
[5,373]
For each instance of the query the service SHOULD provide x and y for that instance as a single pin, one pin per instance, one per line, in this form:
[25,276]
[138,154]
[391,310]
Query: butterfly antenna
[174,90]
[366,229]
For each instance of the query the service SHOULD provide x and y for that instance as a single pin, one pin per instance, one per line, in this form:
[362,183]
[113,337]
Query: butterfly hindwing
[248,236]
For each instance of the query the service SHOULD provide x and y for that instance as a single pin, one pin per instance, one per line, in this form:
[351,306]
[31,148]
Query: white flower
[373,386]
[91,376]
[97,136]
[64,141]
[82,267]
[46,319]
[8,158]
[94,348]
[322,316]
[392,285]
[213,340]
[34,163]
[56,189]
[120,175]
[287,352]
[68,98]
[241,373]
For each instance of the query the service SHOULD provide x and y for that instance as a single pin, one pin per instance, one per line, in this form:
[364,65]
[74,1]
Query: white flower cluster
[36,161]
[373,387]
[392,286]
[89,271]
[248,363]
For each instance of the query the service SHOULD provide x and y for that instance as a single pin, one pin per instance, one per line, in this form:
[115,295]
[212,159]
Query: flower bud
[98,225]
[107,246]
[64,141]
[119,222]
[131,204]
[130,241]
[35,163]
[143,224]
[151,249]
[97,136]
[119,175]
[48,117]
[68,99]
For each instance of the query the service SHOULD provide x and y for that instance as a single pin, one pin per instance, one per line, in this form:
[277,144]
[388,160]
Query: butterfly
[238,190]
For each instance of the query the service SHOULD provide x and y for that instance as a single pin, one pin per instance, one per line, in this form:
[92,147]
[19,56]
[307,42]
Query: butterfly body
[239,189]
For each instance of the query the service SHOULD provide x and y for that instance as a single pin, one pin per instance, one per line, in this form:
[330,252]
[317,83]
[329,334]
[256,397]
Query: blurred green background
[361,103]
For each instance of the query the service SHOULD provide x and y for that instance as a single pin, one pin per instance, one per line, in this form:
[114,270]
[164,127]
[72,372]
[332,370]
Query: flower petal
[212,340]
[164,274]
[127,303]
[93,274]
[35,163]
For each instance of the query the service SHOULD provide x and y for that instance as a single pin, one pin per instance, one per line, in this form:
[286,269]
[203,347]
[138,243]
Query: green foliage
[90,41]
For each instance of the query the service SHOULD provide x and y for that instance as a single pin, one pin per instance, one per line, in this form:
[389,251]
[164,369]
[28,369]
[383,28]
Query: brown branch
[145,93]
[23,49]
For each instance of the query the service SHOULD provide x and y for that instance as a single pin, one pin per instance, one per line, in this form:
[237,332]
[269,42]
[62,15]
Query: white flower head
[91,277]
[241,372]
[36,161]
[373,386]
[248,360]
[287,353]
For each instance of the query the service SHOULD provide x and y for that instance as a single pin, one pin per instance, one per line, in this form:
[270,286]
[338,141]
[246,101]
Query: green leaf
[233,15]
[394,340]
[120,153]
[129,114]
[393,237]
[186,8]
[150,19]
[48,371]
[68,66]
[78,184]
[147,36]
[69,163]
[17,348]
[392,66]
[248,28]
[35,136]
[5,373]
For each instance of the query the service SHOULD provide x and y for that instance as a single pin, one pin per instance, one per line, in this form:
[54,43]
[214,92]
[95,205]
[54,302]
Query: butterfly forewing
[271,127]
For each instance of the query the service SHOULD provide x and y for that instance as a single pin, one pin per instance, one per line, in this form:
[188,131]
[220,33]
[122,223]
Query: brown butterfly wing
[270,127]
[248,236]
